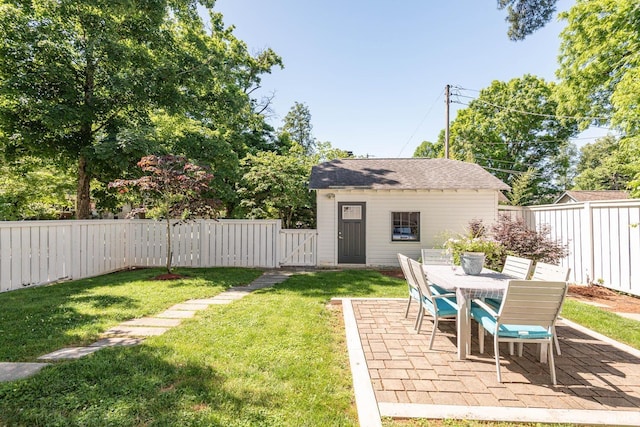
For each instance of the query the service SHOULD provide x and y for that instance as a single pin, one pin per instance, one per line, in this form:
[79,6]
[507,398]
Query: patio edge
[366,403]
[502,414]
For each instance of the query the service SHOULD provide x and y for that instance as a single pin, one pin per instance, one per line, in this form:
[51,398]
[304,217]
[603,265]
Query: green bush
[476,240]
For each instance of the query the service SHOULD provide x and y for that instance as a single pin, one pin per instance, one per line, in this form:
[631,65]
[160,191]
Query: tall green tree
[607,164]
[77,75]
[429,149]
[599,71]
[599,65]
[510,128]
[297,127]
[275,186]
[32,188]
[526,16]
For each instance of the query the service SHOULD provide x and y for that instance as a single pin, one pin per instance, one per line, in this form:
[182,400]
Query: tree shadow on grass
[39,320]
[130,387]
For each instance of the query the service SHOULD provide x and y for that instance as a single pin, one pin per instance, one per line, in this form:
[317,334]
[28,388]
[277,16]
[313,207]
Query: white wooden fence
[603,239]
[38,252]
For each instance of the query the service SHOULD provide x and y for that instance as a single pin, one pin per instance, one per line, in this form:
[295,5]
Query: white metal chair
[551,272]
[439,306]
[528,314]
[517,267]
[544,271]
[436,257]
[414,290]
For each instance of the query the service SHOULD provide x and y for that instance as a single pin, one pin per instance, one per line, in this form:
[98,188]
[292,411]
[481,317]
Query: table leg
[464,327]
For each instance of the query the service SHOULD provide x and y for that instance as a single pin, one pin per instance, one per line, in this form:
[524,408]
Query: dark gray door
[351,233]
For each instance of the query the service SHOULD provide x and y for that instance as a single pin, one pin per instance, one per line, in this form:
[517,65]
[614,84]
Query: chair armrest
[486,307]
[443,295]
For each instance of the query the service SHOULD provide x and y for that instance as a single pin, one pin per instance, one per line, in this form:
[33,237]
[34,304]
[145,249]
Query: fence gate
[298,248]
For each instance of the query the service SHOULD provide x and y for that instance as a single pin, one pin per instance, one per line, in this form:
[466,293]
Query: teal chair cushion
[488,322]
[494,302]
[437,290]
[446,306]
[414,293]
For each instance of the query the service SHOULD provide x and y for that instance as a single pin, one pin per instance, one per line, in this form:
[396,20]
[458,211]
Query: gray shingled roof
[403,174]
[593,195]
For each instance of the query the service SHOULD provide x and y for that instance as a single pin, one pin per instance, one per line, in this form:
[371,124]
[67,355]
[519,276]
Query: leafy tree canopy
[526,16]
[607,164]
[33,188]
[510,128]
[599,65]
[431,150]
[297,127]
[79,80]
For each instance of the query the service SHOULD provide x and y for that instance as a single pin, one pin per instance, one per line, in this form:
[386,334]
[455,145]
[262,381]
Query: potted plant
[472,249]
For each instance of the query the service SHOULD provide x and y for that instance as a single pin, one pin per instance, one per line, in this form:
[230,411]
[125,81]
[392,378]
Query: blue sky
[373,73]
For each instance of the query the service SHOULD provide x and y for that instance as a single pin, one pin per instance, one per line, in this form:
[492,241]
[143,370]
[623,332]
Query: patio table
[488,284]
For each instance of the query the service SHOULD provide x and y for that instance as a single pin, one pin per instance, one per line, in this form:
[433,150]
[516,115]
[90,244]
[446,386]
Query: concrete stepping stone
[189,306]
[176,314]
[135,331]
[10,371]
[69,353]
[207,301]
[117,342]
[153,321]
[231,295]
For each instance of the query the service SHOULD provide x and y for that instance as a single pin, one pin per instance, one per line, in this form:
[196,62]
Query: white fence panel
[298,247]
[239,243]
[603,240]
[37,252]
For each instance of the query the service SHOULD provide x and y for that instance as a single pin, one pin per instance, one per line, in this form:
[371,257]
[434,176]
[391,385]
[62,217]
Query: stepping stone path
[133,332]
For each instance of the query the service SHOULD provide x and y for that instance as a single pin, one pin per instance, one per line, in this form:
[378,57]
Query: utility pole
[447,101]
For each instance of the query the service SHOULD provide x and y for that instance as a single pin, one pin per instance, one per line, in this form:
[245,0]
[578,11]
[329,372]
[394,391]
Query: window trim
[401,224]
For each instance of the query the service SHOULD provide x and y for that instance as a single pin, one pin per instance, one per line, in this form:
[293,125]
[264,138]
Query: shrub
[518,240]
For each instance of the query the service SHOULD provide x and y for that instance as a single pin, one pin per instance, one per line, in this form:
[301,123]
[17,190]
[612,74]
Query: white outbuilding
[371,209]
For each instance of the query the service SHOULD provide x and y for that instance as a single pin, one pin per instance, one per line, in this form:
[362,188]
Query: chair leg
[552,365]
[406,314]
[555,340]
[496,350]
[520,348]
[420,317]
[481,338]
[433,333]
[511,349]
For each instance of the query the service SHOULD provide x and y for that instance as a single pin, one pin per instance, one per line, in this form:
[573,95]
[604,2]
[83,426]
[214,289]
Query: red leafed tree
[172,189]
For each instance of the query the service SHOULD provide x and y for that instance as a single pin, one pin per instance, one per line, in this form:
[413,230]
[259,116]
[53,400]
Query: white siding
[441,212]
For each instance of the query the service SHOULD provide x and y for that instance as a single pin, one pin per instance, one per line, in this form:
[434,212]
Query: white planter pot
[472,262]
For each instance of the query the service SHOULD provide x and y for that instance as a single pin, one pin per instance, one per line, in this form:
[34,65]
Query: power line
[421,122]
[531,113]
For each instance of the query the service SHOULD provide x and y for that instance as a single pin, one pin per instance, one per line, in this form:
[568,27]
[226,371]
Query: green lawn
[36,321]
[274,358]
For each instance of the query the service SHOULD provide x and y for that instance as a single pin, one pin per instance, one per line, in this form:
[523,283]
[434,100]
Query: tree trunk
[83,200]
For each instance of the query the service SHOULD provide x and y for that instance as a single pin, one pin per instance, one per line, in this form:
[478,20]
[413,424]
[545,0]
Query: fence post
[587,241]
[278,243]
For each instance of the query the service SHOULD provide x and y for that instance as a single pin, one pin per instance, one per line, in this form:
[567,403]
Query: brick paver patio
[594,376]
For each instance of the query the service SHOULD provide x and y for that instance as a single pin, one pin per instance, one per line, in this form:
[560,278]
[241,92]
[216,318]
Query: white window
[405,226]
